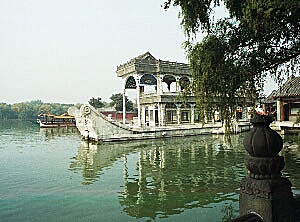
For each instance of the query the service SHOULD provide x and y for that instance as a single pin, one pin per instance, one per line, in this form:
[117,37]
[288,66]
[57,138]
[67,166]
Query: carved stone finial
[262,141]
[263,145]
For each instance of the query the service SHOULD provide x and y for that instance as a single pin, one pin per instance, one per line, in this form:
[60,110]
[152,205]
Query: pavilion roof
[291,88]
[146,57]
[270,98]
[147,63]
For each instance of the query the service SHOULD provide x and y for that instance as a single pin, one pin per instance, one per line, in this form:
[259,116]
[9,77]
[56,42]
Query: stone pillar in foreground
[264,191]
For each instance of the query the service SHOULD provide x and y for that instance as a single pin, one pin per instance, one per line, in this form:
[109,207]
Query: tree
[117,101]
[24,110]
[58,108]
[45,108]
[6,112]
[258,38]
[30,110]
[97,103]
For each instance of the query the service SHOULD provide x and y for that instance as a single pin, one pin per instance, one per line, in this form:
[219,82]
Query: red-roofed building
[286,100]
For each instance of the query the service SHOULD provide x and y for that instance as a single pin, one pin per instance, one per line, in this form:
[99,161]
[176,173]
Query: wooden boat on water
[49,120]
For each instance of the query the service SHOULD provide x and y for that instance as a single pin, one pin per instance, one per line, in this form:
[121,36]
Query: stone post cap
[262,141]
[262,119]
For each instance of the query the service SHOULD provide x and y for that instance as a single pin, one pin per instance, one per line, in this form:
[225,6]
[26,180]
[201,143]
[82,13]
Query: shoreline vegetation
[30,110]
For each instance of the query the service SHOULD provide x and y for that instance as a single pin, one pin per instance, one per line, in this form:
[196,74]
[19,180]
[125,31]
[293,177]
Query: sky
[67,51]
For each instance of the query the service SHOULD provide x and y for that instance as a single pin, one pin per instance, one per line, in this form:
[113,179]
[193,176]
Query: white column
[154,116]
[205,117]
[245,113]
[159,113]
[178,113]
[177,85]
[193,113]
[124,105]
[159,85]
[162,113]
[137,81]
[278,110]
[143,115]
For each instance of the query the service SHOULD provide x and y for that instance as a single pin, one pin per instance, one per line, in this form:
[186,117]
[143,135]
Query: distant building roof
[290,88]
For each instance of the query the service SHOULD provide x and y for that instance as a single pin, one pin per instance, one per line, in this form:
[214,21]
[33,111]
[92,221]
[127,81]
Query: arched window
[148,79]
[130,83]
[184,82]
[171,82]
[169,79]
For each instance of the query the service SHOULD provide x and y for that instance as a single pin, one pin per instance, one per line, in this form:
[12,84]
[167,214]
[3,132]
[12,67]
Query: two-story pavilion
[158,85]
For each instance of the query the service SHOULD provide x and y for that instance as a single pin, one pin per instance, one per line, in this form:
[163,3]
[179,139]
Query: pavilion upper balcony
[165,97]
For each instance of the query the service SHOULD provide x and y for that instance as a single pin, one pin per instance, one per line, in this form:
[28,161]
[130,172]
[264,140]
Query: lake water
[51,175]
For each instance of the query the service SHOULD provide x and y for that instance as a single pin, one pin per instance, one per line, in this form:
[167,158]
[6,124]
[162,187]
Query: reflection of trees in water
[85,161]
[171,175]
[183,174]
[18,126]
[291,153]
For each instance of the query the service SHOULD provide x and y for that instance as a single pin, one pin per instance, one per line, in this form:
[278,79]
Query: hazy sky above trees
[67,51]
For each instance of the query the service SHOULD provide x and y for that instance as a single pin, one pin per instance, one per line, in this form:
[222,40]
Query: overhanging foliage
[259,38]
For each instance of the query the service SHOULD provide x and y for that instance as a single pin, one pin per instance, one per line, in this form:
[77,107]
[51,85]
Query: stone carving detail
[269,189]
[264,168]
[85,110]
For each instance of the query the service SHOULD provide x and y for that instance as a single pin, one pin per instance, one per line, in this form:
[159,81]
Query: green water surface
[51,175]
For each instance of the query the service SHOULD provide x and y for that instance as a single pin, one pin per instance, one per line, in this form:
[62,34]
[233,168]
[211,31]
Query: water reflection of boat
[58,131]
[184,177]
[164,177]
[92,158]
[49,120]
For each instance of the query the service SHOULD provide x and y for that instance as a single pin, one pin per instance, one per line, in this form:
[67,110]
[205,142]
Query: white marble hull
[95,126]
